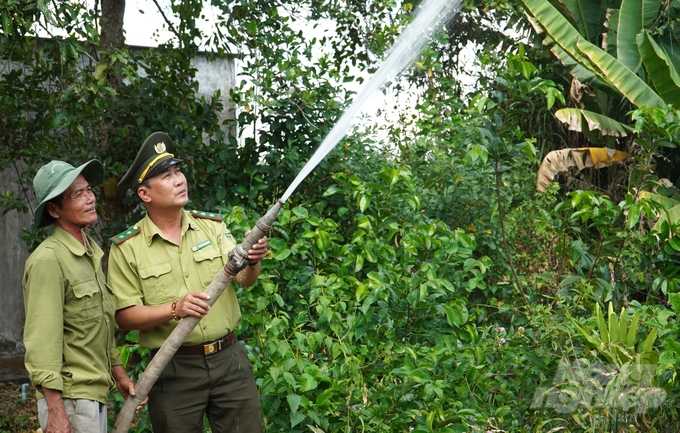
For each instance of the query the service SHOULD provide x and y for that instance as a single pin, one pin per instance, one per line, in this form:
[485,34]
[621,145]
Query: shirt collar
[70,242]
[150,230]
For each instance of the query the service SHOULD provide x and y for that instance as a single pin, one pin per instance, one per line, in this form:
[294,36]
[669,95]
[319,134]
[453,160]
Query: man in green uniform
[71,352]
[158,270]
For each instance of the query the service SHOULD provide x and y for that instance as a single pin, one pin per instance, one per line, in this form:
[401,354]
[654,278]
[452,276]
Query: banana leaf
[582,74]
[672,50]
[575,68]
[574,119]
[587,16]
[625,80]
[630,24]
[612,25]
[650,12]
[660,69]
[559,161]
[556,27]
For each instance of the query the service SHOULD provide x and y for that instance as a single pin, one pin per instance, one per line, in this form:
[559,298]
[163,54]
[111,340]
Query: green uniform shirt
[148,269]
[69,332]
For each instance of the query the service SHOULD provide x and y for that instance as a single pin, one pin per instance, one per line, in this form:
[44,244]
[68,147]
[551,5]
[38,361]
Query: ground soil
[17,415]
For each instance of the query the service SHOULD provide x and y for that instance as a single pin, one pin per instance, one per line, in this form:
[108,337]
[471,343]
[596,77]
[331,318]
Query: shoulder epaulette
[125,235]
[206,215]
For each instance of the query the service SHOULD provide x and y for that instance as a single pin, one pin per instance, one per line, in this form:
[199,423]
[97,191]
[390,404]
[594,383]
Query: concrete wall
[211,76]
[13,255]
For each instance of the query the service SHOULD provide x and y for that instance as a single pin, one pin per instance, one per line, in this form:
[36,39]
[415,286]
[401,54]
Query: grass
[17,415]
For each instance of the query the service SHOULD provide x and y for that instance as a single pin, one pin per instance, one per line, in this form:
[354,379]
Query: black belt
[206,348]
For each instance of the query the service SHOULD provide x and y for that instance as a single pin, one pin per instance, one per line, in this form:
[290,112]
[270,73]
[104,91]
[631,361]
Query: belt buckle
[210,348]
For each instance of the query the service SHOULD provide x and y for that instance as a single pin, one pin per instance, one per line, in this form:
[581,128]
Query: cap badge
[159,147]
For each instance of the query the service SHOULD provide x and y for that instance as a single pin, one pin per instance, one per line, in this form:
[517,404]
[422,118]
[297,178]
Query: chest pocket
[86,306]
[209,262]
[157,283]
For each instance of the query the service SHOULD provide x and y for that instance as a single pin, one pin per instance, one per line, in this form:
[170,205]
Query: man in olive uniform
[158,270]
[71,352]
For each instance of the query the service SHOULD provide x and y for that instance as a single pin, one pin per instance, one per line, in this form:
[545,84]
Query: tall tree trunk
[111,38]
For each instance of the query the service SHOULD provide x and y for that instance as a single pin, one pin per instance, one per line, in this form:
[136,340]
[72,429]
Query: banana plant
[619,72]
[616,336]
[634,59]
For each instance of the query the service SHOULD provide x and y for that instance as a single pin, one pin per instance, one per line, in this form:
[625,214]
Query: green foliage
[135,360]
[352,301]
[616,338]
[597,394]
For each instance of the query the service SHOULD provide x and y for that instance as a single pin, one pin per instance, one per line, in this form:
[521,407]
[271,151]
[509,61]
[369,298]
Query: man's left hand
[125,386]
[258,251]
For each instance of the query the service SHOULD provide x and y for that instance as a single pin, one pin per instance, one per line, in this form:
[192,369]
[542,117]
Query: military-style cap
[154,156]
[56,177]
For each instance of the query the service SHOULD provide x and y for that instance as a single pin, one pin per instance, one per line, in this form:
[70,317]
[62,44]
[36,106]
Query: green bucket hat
[56,177]
[154,156]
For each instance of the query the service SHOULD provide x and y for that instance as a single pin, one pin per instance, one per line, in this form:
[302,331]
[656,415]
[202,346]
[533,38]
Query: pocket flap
[154,270]
[209,253]
[84,288]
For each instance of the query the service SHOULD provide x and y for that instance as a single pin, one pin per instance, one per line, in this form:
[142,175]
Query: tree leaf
[675,243]
[293,402]
[674,299]
[633,215]
[364,201]
[331,190]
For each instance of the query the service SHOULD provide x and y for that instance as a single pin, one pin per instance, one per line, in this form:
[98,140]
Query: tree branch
[167,21]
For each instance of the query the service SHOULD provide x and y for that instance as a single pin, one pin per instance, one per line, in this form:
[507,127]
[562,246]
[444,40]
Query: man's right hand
[57,420]
[193,304]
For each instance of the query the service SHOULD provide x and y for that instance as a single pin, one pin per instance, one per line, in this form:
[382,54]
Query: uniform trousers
[220,385]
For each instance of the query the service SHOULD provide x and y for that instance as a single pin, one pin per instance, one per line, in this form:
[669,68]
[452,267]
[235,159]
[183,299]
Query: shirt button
[205,327]
[186,275]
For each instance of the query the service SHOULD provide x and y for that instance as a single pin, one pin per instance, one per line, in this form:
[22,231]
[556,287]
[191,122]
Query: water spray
[404,52]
